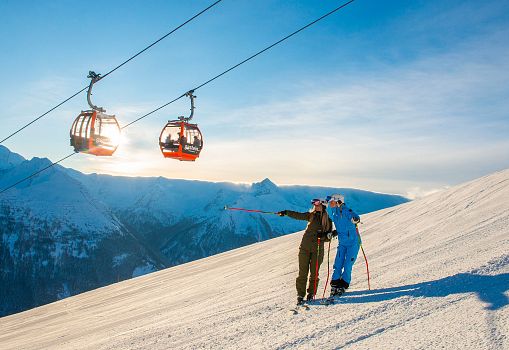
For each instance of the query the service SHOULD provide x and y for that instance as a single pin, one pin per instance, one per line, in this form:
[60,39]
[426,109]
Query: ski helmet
[316,200]
[336,197]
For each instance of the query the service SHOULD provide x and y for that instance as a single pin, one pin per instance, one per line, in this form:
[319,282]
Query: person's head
[318,204]
[336,200]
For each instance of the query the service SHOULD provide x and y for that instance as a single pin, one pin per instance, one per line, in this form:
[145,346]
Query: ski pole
[328,270]
[251,210]
[316,270]
[365,259]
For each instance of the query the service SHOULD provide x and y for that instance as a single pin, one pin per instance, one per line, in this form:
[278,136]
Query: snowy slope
[63,232]
[440,279]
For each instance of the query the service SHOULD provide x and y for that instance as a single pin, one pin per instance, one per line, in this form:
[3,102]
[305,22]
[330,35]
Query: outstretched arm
[295,215]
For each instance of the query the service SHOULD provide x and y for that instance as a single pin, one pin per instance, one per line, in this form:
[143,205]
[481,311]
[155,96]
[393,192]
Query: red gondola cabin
[181,140]
[96,133]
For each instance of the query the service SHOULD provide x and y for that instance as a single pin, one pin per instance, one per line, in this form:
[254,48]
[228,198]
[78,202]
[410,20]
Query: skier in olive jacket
[319,225]
[344,220]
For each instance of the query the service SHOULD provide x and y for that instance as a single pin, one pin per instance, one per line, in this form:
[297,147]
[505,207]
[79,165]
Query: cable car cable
[241,63]
[37,172]
[151,112]
[114,69]
[42,115]
[199,86]
[276,43]
[163,37]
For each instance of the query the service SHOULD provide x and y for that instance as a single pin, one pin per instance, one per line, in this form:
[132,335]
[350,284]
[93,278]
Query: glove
[332,234]
[282,213]
[323,235]
[356,220]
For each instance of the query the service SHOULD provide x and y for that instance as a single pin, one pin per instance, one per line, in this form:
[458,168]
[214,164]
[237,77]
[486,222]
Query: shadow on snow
[489,289]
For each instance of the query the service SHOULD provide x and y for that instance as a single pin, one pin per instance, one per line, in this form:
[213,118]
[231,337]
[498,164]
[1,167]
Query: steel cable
[199,86]
[111,71]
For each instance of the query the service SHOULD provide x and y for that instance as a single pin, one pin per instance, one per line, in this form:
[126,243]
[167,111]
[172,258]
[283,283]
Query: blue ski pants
[345,258]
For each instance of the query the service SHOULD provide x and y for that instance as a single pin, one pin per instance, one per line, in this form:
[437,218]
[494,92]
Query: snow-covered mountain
[439,276]
[63,232]
[57,240]
[9,159]
[186,220]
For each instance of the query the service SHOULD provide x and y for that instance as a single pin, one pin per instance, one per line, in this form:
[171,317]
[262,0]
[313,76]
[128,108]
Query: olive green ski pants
[307,266]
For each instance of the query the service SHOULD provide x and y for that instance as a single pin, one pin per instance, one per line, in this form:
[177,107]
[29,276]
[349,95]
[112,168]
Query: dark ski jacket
[318,223]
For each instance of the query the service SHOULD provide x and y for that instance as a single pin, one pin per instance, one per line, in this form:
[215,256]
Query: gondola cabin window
[181,140]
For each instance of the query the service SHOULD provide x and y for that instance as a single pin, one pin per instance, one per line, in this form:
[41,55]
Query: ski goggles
[334,198]
[317,201]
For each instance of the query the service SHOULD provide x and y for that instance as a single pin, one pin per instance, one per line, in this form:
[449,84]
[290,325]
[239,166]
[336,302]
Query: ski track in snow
[439,275]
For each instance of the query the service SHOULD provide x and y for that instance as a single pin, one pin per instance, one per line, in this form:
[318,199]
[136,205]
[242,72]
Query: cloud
[444,90]
[408,129]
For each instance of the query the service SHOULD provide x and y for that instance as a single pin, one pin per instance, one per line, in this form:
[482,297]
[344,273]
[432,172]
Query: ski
[332,298]
[295,310]
[328,301]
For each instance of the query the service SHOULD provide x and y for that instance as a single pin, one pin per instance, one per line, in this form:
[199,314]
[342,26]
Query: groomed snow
[439,276]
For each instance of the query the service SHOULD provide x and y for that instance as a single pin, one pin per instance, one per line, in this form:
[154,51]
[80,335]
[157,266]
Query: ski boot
[334,292]
[301,305]
[337,291]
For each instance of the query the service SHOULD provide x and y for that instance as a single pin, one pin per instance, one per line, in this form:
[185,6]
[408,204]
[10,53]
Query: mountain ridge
[439,277]
[110,228]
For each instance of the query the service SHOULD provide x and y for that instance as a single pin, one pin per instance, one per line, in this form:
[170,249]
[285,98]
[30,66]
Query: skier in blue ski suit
[345,220]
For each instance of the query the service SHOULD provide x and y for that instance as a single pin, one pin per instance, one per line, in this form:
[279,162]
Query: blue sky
[403,96]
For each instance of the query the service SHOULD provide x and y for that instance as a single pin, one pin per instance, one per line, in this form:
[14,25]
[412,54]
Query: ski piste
[306,306]
[299,307]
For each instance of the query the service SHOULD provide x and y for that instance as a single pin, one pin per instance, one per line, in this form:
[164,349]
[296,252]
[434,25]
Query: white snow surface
[439,279]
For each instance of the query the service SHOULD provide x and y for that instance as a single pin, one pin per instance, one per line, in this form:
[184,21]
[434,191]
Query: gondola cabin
[95,132]
[181,140]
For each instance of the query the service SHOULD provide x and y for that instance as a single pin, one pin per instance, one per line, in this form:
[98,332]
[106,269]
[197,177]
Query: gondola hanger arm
[191,95]
[94,78]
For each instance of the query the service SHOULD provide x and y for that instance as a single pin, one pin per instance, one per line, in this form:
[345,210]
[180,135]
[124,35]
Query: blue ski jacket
[342,218]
